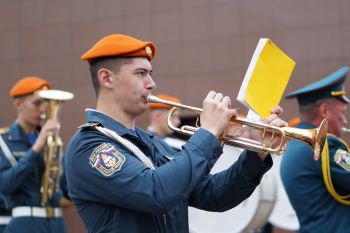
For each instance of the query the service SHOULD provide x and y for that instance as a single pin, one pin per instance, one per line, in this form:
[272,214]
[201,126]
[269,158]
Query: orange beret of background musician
[152,106]
[294,122]
[233,123]
[120,45]
[28,85]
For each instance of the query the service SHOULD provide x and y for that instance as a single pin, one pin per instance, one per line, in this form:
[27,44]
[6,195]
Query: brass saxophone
[54,146]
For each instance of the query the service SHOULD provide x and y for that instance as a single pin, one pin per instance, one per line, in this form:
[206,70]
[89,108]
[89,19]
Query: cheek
[130,87]
[336,120]
[26,109]
[339,117]
[344,119]
[34,109]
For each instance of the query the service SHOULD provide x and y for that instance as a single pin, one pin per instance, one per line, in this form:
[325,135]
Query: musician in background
[5,215]
[318,207]
[158,114]
[22,163]
[143,190]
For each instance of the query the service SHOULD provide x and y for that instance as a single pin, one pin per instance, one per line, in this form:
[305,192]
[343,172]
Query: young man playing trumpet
[144,191]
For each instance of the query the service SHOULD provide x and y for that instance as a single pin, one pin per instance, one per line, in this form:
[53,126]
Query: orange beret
[152,106]
[120,45]
[28,85]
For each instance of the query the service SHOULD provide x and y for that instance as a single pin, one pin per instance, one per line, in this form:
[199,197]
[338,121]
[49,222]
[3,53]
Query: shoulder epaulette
[334,139]
[4,130]
[89,125]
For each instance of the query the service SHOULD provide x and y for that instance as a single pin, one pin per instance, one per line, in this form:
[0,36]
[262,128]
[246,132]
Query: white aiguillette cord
[7,152]
[134,149]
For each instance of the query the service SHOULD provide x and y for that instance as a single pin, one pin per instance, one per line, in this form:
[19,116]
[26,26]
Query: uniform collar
[93,115]
[305,125]
[151,132]
[16,132]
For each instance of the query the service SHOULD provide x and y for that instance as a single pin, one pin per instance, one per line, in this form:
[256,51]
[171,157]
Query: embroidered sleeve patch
[106,159]
[342,158]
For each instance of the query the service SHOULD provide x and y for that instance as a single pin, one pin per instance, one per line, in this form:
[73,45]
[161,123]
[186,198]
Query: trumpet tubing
[314,137]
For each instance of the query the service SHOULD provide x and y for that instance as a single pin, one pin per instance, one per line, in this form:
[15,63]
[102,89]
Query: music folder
[266,78]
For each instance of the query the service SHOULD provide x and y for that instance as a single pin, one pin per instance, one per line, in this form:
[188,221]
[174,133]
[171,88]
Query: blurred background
[202,45]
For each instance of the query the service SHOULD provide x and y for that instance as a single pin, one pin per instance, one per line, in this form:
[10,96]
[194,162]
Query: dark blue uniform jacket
[130,197]
[302,178]
[3,213]
[20,184]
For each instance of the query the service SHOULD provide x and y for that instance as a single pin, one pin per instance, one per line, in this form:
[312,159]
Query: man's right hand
[216,113]
[49,129]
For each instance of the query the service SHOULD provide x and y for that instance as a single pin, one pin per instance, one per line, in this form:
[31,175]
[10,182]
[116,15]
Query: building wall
[201,44]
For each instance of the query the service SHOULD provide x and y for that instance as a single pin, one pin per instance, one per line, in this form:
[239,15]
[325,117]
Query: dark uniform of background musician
[320,208]
[5,215]
[22,163]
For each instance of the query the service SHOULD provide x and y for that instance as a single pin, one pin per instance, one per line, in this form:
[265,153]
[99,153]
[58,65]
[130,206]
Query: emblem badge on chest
[106,159]
[342,158]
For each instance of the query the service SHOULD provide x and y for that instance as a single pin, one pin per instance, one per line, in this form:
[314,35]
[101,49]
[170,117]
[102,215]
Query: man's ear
[323,110]
[17,102]
[105,77]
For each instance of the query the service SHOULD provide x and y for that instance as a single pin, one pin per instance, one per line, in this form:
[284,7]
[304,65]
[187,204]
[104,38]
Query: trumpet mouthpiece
[43,116]
[345,130]
[152,99]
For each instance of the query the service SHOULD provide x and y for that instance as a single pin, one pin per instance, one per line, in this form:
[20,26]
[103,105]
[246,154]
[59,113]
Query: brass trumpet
[54,145]
[313,137]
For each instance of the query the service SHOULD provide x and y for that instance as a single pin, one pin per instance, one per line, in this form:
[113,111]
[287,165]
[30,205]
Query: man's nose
[42,108]
[151,85]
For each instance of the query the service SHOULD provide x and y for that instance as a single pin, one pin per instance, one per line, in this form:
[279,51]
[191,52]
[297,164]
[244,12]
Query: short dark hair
[309,112]
[111,63]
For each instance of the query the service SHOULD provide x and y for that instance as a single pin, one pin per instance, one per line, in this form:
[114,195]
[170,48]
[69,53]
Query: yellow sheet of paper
[269,79]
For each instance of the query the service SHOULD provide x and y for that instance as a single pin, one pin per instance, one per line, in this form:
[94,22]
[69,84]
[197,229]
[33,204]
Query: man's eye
[37,103]
[141,73]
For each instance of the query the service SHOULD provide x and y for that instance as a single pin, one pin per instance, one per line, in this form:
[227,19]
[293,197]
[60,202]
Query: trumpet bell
[314,137]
